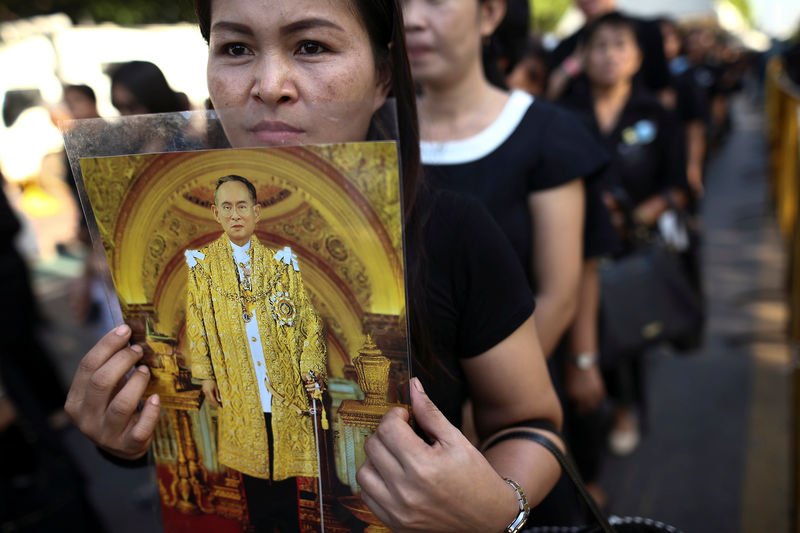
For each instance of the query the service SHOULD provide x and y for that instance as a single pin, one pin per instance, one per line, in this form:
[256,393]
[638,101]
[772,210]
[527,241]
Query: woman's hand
[447,485]
[585,387]
[103,403]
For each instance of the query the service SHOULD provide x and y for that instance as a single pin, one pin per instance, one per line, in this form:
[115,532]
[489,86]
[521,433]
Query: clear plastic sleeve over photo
[266,287]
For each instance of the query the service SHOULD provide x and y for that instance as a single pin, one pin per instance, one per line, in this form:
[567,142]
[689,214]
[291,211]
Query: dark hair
[383,20]
[615,19]
[235,177]
[85,90]
[668,21]
[148,85]
[508,41]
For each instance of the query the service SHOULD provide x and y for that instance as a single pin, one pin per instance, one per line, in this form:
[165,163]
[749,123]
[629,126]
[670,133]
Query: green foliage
[123,12]
[744,8]
[545,14]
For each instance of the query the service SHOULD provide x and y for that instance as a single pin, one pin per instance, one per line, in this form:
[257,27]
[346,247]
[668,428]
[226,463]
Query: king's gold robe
[293,343]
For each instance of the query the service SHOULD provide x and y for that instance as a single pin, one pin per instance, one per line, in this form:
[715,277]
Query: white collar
[240,253]
[485,142]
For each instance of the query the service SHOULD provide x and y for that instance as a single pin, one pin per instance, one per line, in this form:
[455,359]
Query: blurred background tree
[744,8]
[123,12]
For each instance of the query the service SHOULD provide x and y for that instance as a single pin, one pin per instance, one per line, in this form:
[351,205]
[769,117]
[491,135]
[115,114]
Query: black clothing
[271,505]
[692,99]
[540,147]
[474,291]
[649,155]
[654,73]
[41,489]
[25,368]
[708,77]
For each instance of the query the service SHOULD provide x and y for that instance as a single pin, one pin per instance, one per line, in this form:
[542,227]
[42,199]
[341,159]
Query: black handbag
[612,524]
[646,298]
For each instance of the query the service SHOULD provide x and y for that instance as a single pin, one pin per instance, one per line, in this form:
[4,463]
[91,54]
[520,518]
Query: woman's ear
[492,13]
[384,83]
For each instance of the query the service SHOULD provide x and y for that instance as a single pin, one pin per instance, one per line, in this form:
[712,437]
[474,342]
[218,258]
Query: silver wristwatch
[524,509]
[585,360]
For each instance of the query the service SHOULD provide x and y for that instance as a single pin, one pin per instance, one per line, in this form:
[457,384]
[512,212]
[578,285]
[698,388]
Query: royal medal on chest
[246,317]
[283,309]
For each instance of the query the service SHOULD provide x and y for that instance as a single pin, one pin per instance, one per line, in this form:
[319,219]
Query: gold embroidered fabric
[219,350]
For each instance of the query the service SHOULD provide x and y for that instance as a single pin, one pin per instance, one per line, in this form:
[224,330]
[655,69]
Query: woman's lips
[416,51]
[271,132]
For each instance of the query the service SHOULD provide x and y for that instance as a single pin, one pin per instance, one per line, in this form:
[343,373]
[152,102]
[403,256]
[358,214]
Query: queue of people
[523,175]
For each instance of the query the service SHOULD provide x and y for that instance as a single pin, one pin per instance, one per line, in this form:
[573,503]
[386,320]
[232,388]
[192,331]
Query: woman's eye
[235,49]
[311,48]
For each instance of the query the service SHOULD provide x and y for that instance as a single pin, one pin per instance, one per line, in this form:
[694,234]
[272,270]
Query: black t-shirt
[654,73]
[692,102]
[532,146]
[647,146]
[708,77]
[473,290]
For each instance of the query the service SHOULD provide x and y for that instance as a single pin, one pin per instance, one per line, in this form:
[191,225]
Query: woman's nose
[412,15]
[274,82]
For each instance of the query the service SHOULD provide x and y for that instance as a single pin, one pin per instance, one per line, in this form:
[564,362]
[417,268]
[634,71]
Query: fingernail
[143,369]
[122,330]
[154,400]
[136,348]
[417,385]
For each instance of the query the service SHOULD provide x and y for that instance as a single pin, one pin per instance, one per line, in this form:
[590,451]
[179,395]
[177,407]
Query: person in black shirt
[41,488]
[522,158]
[525,160]
[709,73]
[648,170]
[30,377]
[566,59]
[691,104]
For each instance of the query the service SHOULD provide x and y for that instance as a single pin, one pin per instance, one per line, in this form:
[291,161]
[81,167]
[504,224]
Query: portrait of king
[255,342]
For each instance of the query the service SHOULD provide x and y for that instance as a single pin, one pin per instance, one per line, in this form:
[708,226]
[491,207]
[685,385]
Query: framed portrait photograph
[267,289]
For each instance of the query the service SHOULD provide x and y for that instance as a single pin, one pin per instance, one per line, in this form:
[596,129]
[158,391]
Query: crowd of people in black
[539,169]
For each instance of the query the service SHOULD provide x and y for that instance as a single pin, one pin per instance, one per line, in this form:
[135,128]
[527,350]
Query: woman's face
[529,75]
[444,36]
[672,42]
[612,55]
[292,71]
